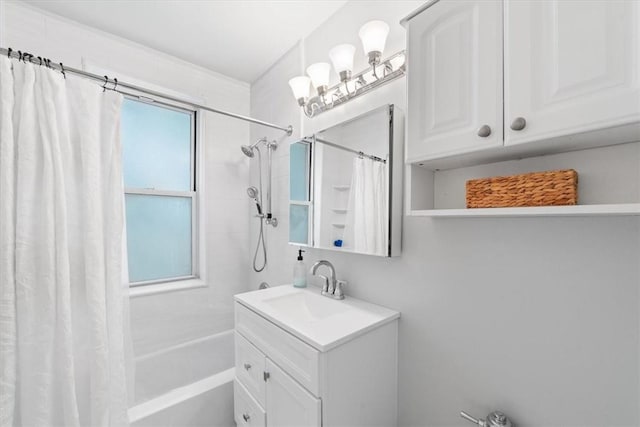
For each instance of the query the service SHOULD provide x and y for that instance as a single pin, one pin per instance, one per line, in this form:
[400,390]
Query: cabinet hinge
[266,376]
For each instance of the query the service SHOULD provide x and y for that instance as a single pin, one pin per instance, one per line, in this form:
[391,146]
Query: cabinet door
[288,403]
[570,66]
[454,79]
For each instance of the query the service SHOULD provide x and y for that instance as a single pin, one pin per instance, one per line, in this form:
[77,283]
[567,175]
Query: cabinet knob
[519,123]
[484,131]
[247,366]
[246,417]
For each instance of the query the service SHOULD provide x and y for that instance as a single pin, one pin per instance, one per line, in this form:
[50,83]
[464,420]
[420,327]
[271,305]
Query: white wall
[538,317]
[162,321]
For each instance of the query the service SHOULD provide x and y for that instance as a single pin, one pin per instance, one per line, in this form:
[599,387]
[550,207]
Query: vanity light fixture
[374,36]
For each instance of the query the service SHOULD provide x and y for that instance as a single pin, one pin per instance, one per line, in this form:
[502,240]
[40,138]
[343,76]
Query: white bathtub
[190,384]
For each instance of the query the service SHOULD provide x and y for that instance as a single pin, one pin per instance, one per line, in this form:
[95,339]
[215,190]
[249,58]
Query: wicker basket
[551,188]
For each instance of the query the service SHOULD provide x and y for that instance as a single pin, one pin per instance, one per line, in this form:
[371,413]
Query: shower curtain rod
[314,138]
[116,85]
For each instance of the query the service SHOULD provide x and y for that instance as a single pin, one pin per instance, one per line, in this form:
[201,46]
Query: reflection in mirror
[300,193]
[345,185]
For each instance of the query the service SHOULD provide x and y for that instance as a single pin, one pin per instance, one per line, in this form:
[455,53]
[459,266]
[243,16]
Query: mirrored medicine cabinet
[345,185]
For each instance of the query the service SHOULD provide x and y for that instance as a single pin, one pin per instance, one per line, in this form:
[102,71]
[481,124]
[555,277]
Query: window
[158,144]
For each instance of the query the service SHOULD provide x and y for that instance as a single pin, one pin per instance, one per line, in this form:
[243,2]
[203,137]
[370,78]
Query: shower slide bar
[116,85]
[314,138]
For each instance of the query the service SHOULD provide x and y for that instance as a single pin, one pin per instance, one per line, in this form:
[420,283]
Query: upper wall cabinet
[570,67]
[455,79]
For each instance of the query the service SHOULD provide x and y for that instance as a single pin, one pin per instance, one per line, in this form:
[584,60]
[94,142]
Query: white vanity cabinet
[570,67]
[295,367]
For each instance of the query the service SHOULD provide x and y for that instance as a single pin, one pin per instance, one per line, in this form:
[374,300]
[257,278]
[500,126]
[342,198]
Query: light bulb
[374,36]
[342,58]
[300,88]
[319,73]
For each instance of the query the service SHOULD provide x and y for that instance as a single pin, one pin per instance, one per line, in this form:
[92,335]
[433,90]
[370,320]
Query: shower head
[252,192]
[248,149]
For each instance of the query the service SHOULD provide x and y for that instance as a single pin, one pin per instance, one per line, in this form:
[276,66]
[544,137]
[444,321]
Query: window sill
[161,288]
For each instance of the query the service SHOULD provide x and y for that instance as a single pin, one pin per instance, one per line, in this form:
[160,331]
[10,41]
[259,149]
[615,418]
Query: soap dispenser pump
[300,272]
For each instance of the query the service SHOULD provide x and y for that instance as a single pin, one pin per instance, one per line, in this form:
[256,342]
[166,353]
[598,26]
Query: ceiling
[240,38]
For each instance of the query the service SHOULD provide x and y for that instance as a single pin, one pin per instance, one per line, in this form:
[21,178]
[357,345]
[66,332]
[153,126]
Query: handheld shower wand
[253,193]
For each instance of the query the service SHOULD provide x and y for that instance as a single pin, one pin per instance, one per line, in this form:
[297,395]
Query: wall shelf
[626,209]
[603,190]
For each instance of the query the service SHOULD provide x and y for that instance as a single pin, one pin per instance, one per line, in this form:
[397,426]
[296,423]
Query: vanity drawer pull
[247,366]
[246,417]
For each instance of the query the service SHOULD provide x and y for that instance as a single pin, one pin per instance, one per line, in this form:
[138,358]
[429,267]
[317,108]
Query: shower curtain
[62,301]
[366,228]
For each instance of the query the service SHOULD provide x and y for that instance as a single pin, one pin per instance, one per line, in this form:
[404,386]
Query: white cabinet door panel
[288,403]
[570,66]
[454,78]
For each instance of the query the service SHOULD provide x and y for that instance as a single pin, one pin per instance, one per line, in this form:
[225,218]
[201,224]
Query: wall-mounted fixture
[374,36]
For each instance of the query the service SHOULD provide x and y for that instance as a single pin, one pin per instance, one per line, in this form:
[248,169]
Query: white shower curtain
[62,302]
[366,228]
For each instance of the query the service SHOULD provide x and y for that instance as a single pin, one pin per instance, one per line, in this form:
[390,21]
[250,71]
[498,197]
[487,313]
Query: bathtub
[190,384]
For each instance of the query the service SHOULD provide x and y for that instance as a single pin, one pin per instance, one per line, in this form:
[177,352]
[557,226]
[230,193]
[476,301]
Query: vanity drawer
[298,359]
[246,411]
[250,368]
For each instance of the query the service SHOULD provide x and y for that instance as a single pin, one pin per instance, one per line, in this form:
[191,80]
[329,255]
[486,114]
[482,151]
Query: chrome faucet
[332,287]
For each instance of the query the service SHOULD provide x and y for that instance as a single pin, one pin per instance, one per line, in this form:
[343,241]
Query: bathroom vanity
[303,359]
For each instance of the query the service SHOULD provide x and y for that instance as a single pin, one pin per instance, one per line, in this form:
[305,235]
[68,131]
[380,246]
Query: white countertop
[320,321]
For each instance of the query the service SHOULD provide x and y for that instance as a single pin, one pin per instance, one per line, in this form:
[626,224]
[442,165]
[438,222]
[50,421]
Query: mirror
[345,186]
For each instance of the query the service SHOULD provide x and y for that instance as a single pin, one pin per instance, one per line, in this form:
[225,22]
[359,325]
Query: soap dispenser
[300,272]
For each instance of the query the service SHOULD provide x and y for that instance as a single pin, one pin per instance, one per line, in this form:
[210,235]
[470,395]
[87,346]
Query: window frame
[192,193]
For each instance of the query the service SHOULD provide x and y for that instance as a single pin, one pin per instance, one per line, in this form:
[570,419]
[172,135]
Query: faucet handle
[325,286]
[338,292]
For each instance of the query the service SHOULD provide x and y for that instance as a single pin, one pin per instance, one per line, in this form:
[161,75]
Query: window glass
[156,144]
[158,237]
[299,171]
[299,224]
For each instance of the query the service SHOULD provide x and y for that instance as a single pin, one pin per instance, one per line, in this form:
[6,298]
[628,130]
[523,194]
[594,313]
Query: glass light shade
[374,36]
[342,57]
[319,73]
[300,87]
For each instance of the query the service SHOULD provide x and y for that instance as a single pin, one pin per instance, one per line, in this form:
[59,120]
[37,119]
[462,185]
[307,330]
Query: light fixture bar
[384,72]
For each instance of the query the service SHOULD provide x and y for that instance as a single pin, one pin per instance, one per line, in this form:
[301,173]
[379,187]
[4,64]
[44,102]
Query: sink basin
[320,321]
[306,306]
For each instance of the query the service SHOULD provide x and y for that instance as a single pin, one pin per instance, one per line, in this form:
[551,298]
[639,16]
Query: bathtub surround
[63,333]
[537,317]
